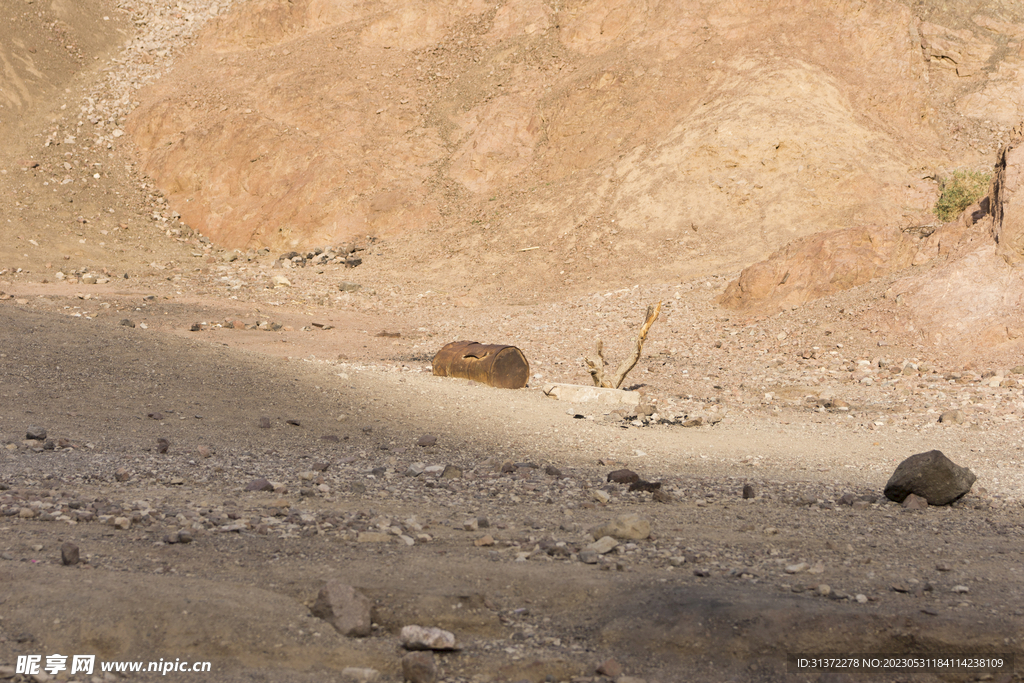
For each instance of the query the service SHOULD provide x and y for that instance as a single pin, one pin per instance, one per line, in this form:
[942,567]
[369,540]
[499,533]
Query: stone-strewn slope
[715,131]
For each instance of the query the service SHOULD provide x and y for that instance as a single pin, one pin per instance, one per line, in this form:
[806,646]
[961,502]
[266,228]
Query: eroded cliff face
[960,284]
[719,130]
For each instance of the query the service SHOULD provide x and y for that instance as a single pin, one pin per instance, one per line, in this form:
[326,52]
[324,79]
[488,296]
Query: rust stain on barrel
[504,367]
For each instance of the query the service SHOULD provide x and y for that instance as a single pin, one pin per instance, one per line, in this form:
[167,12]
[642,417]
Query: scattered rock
[351,674]
[797,568]
[35,433]
[931,475]
[603,545]
[183,536]
[69,553]
[122,474]
[952,417]
[646,486]
[663,496]
[205,451]
[915,502]
[426,440]
[451,472]
[628,527]
[264,423]
[349,286]
[748,491]
[600,496]
[623,477]
[483,541]
[588,556]
[419,667]
[260,484]
[610,668]
[162,445]
[344,608]
[426,638]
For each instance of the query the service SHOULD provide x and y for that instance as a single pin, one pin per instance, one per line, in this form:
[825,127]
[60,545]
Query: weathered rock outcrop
[1008,199]
[968,289]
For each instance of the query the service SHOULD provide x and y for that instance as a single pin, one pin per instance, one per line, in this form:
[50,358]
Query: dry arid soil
[185,189]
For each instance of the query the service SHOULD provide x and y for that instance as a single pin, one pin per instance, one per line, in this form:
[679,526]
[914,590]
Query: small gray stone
[424,638]
[260,484]
[35,433]
[69,553]
[932,476]
[603,545]
[588,556]
[162,445]
[344,608]
[419,667]
[748,491]
[426,440]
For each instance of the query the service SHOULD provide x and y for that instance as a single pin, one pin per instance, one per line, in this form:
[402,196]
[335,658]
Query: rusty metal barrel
[499,366]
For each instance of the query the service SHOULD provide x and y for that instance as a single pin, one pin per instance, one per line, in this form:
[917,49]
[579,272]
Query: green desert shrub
[958,191]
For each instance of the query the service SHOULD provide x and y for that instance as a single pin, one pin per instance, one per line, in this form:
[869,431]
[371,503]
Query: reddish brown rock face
[318,122]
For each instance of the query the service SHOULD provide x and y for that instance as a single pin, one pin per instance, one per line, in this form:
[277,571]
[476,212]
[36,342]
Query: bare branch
[596,365]
[627,365]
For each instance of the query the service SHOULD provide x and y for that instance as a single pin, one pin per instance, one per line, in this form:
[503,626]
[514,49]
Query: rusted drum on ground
[499,366]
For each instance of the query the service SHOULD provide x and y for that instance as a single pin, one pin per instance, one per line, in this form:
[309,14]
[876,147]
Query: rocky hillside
[629,140]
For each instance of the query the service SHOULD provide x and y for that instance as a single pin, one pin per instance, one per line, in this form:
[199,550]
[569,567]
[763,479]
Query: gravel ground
[221,443]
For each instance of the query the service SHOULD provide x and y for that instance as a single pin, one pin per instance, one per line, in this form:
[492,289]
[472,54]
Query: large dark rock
[930,475]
